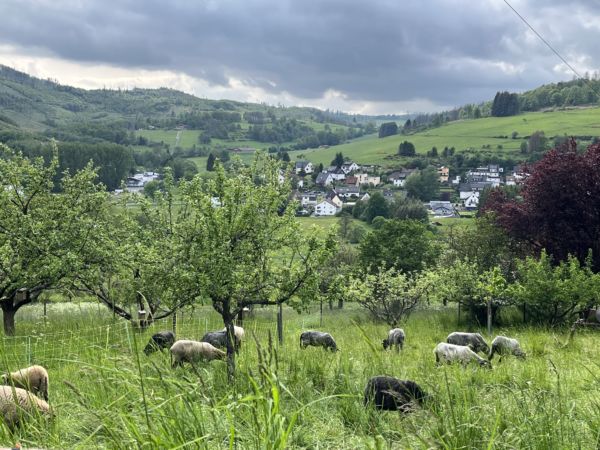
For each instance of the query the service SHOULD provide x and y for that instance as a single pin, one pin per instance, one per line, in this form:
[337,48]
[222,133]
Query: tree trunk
[8,318]
[330,304]
[230,348]
[340,303]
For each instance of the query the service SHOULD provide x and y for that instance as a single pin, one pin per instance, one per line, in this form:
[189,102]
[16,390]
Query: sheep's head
[386,344]
[485,363]
[4,378]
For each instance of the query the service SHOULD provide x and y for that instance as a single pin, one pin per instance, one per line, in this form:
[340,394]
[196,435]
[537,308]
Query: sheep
[159,341]
[474,341]
[192,351]
[318,339]
[34,379]
[391,394]
[450,353]
[16,403]
[506,346]
[219,338]
[395,338]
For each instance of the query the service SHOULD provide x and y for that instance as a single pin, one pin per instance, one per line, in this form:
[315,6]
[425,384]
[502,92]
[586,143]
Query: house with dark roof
[304,166]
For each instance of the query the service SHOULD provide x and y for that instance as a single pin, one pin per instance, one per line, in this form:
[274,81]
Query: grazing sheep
[474,341]
[192,351]
[458,353]
[238,331]
[34,379]
[17,403]
[391,394]
[219,338]
[395,338]
[318,339]
[159,341]
[506,346]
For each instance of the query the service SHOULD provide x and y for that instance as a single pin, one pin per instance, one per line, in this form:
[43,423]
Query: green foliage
[47,240]
[505,104]
[423,185]
[406,149]
[388,294]
[552,293]
[388,129]
[338,160]
[376,206]
[210,162]
[408,208]
[406,245]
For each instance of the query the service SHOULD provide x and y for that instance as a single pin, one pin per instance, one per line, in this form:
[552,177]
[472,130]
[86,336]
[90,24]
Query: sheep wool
[16,404]
[34,379]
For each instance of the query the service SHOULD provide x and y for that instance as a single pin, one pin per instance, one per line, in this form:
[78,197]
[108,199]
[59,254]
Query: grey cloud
[446,51]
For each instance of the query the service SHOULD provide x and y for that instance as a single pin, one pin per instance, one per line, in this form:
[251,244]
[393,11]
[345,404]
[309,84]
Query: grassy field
[468,134]
[107,394]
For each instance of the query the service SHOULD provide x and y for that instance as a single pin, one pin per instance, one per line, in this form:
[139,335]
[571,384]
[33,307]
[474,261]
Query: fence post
[29,350]
[321,314]
[175,323]
[280,324]
[489,316]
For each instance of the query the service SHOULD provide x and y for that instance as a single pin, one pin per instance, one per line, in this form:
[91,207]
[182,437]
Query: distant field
[468,134]
[190,137]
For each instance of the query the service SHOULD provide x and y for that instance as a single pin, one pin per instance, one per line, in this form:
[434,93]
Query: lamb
[503,345]
[395,338]
[193,351]
[16,403]
[472,340]
[318,339]
[159,341]
[219,338]
[450,353]
[391,394]
[34,379]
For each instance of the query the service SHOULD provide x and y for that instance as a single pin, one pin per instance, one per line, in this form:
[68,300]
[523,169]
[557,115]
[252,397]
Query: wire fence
[84,342]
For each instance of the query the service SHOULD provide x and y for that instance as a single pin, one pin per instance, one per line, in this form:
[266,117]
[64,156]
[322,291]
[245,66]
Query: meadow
[466,135]
[107,394]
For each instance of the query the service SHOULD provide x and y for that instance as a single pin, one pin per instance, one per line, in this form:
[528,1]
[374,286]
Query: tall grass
[108,394]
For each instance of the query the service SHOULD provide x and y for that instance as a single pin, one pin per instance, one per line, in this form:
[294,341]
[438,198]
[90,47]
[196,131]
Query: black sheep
[391,394]
[160,340]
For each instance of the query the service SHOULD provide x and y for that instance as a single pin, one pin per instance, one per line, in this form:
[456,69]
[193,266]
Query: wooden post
[321,315]
[175,323]
[524,313]
[280,324]
[45,310]
[489,316]
[458,313]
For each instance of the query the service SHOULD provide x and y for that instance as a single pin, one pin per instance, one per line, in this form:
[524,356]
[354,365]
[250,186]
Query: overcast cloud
[377,56]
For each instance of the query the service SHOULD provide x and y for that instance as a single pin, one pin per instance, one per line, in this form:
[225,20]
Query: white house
[348,192]
[469,192]
[308,198]
[398,178]
[472,201]
[324,179]
[349,167]
[137,182]
[374,180]
[304,166]
[490,173]
[361,178]
[326,208]
[442,209]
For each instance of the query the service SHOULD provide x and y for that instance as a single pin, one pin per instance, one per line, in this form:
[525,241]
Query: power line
[542,39]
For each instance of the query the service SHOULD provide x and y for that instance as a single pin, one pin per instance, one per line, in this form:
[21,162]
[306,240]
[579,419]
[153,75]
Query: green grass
[107,394]
[468,134]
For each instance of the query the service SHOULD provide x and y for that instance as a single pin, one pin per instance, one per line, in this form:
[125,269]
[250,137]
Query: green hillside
[468,136]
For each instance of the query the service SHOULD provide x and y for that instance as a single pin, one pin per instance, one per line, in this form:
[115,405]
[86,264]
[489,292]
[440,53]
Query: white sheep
[237,331]
[395,338]
[34,379]
[193,351]
[17,403]
[503,345]
[450,353]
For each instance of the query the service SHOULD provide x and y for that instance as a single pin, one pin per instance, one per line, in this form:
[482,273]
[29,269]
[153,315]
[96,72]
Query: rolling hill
[483,136]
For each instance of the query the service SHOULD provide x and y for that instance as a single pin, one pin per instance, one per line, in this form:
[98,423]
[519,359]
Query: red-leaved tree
[560,206]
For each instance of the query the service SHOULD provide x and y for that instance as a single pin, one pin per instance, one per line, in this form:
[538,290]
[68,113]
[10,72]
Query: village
[335,188]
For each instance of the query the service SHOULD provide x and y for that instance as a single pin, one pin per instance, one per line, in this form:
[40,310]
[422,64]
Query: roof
[475,186]
[322,177]
[348,190]
[351,180]
[302,164]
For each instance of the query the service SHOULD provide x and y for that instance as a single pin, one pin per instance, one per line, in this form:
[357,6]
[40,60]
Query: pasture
[107,394]
[466,135]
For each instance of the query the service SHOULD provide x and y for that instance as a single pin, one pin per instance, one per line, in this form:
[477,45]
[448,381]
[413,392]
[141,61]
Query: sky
[358,56]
